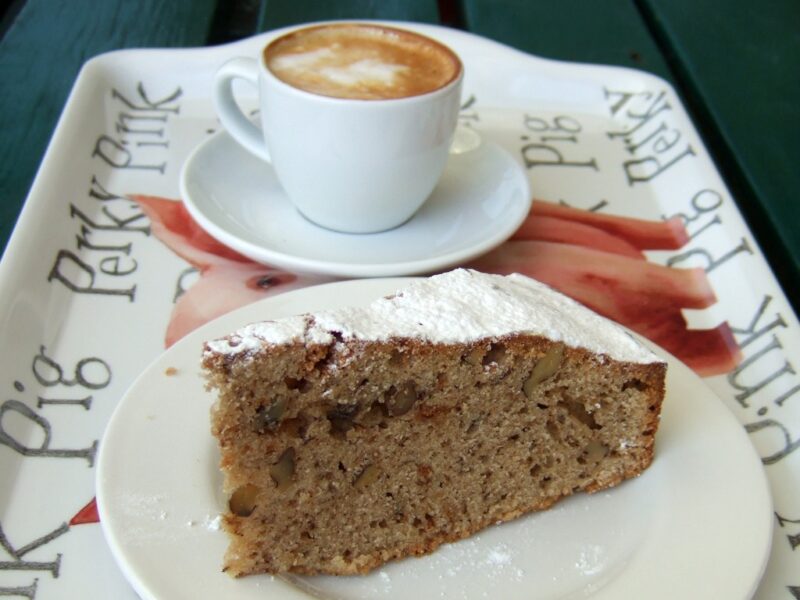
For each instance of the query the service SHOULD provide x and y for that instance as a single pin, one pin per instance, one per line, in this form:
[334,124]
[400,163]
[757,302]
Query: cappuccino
[361,61]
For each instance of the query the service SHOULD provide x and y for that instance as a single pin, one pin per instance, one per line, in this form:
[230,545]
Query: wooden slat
[598,31]
[738,65]
[280,13]
[41,54]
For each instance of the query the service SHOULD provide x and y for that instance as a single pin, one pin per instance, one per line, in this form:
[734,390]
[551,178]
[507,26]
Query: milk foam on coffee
[364,62]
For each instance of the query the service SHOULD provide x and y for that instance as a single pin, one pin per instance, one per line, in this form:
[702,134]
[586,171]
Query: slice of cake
[352,437]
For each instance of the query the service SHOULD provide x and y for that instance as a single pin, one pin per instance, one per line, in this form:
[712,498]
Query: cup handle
[242,129]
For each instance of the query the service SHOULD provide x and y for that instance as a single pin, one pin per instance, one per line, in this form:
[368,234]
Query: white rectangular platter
[87,290]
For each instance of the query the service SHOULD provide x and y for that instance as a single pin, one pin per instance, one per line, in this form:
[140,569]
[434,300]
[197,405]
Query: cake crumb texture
[341,451]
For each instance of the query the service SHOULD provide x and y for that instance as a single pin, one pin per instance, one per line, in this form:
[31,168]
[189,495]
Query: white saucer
[696,524]
[481,200]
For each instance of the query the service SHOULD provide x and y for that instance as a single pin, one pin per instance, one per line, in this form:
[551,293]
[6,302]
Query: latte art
[364,71]
[364,62]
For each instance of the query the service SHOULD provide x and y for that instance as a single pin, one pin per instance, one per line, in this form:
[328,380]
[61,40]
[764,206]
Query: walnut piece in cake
[353,437]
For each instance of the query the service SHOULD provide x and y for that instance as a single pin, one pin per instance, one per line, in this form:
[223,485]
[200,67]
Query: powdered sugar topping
[455,307]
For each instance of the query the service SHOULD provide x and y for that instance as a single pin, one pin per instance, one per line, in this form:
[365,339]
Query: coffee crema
[360,61]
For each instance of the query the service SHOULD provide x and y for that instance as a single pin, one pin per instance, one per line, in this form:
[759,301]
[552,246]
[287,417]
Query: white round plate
[481,200]
[696,524]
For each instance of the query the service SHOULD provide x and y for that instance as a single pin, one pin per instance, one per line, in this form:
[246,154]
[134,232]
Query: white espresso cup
[356,120]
